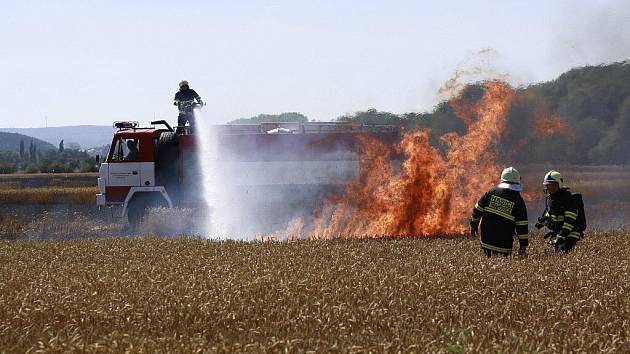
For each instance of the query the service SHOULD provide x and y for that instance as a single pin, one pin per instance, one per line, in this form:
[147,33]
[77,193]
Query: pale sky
[93,62]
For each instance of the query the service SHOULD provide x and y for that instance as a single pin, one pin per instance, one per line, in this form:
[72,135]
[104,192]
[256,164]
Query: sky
[93,62]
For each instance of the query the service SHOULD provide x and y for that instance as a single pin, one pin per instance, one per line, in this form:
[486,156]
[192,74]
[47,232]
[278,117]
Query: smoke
[169,222]
[593,33]
[478,66]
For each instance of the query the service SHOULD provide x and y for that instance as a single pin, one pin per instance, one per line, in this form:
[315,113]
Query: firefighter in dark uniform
[561,214]
[133,153]
[503,214]
[185,101]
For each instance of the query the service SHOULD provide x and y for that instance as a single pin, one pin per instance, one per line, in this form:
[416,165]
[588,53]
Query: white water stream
[216,218]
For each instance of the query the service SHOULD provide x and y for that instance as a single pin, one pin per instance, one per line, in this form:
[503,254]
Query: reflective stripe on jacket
[563,214]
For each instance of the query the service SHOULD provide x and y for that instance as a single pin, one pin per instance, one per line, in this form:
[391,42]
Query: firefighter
[133,153]
[185,101]
[561,214]
[503,214]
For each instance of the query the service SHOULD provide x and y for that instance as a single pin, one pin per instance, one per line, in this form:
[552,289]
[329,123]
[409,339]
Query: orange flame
[553,125]
[547,124]
[434,193]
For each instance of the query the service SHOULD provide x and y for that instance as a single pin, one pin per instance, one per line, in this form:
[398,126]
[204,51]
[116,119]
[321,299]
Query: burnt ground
[67,221]
[605,189]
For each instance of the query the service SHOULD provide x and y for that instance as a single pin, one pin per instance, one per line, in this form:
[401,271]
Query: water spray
[207,145]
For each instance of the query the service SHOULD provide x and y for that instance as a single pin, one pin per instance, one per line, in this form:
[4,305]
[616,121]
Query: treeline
[32,160]
[582,117]
[272,118]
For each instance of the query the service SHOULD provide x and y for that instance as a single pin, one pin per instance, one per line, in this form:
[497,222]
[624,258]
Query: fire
[552,125]
[434,192]
[547,124]
[293,232]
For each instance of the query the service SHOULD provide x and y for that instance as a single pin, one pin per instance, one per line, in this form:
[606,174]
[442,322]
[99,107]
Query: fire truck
[277,170]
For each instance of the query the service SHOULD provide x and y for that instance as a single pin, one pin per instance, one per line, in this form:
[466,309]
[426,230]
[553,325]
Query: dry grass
[49,195]
[422,295]
[10,227]
[48,180]
[74,188]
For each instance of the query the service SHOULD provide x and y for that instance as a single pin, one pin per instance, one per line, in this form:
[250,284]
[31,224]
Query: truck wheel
[140,204]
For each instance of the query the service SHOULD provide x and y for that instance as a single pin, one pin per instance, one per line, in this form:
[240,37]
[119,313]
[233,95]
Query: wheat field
[49,195]
[391,295]
[48,188]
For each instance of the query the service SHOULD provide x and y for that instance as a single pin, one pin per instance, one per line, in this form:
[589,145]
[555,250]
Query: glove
[541,222]
[473,231]
[549,234]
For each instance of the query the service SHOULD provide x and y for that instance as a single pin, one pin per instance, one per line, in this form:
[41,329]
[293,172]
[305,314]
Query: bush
[32,168]
[86,166]
[56,167]
[7,167]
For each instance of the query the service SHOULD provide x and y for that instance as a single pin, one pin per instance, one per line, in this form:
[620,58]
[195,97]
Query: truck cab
[129,170]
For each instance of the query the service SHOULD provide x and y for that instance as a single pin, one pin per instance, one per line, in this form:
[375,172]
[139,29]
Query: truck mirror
[98,158]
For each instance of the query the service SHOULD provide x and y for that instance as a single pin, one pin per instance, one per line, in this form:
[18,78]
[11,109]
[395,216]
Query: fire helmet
[511,175]
[183,84]
[511,179]
[553,176]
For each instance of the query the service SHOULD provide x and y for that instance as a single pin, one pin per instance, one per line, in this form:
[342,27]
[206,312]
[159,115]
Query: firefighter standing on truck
[185,101]
[561,214]
[503,214]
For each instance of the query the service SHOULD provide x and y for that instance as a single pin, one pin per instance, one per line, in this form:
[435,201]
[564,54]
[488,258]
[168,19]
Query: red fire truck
[276,168]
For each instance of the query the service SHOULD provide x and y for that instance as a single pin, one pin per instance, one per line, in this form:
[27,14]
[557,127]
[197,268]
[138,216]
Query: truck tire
[136,210]
[140,204]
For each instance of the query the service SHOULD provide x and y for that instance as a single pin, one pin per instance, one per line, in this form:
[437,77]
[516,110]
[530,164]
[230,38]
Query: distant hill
[86,136]
[272,118]
[11,141]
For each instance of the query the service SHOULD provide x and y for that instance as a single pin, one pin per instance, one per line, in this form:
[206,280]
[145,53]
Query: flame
[547,124]
[532,196]
[553,125]
[433,194]
[293,232]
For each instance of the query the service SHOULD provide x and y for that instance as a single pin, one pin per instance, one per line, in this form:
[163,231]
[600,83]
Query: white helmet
[511,179]
[553,176]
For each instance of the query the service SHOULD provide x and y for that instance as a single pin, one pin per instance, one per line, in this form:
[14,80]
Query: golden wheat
[49,195]
[422,295]
[48,180]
